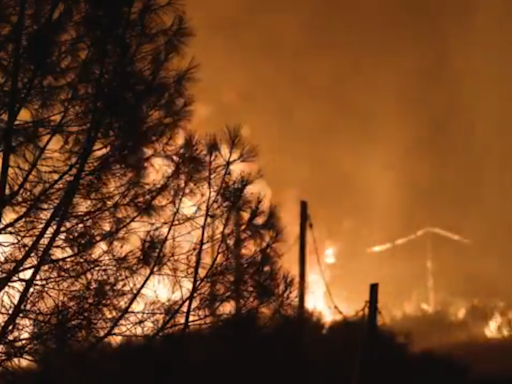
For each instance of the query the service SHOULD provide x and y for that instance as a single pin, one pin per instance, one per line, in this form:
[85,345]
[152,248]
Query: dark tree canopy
[117,221]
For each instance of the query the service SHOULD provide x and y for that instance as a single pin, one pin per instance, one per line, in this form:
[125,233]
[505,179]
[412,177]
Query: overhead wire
[359,314]
[320,267]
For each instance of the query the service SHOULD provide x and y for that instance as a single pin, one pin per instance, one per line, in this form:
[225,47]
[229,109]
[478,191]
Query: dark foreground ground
[249,352]
[486,360]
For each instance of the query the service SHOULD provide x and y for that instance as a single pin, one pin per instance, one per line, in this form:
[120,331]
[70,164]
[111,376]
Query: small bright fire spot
[498,327]
[330,256]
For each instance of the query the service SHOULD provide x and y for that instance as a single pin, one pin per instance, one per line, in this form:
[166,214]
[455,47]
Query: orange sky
[386,115]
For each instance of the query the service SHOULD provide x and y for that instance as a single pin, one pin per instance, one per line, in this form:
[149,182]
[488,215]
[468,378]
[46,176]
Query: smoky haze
[386,115]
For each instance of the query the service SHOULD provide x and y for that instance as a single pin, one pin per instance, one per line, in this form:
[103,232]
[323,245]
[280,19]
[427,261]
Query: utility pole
[428,232]
[302,258]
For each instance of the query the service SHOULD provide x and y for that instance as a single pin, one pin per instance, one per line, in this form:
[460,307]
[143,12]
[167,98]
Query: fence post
[302,258]
[373,310]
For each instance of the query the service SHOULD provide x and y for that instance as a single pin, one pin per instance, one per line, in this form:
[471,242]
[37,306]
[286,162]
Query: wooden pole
[302,258]
[238,264]
[373,311]
[363,372]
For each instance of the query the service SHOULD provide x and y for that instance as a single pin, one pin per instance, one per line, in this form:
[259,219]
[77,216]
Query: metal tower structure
[428,232]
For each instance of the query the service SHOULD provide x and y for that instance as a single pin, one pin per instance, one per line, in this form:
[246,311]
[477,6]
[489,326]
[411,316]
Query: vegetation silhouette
[247,349]
[463,338]
[116,220]
[431,330]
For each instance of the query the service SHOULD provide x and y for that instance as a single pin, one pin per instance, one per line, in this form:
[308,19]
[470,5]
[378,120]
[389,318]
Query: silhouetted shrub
[245,350]
[437,329]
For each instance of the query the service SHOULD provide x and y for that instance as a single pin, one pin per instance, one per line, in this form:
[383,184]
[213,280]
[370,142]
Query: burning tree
[108,207]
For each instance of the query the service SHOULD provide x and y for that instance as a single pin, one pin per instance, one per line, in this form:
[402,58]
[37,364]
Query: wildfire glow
[330,256]
[498,327]
[188,207]
[316,300]
[380,248]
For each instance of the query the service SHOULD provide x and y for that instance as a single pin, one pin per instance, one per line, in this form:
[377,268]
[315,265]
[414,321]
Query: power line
[322,275]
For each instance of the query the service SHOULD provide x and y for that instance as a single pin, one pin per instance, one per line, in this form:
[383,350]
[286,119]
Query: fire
[317,294]
[380,248]
[188,207]
[499,327]
[316,300]
[329,256]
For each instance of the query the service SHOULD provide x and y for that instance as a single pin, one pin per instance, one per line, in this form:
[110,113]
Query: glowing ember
[498,327]
[426,307]
[461,313]
[188,207]
[380,248]
[329,256]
